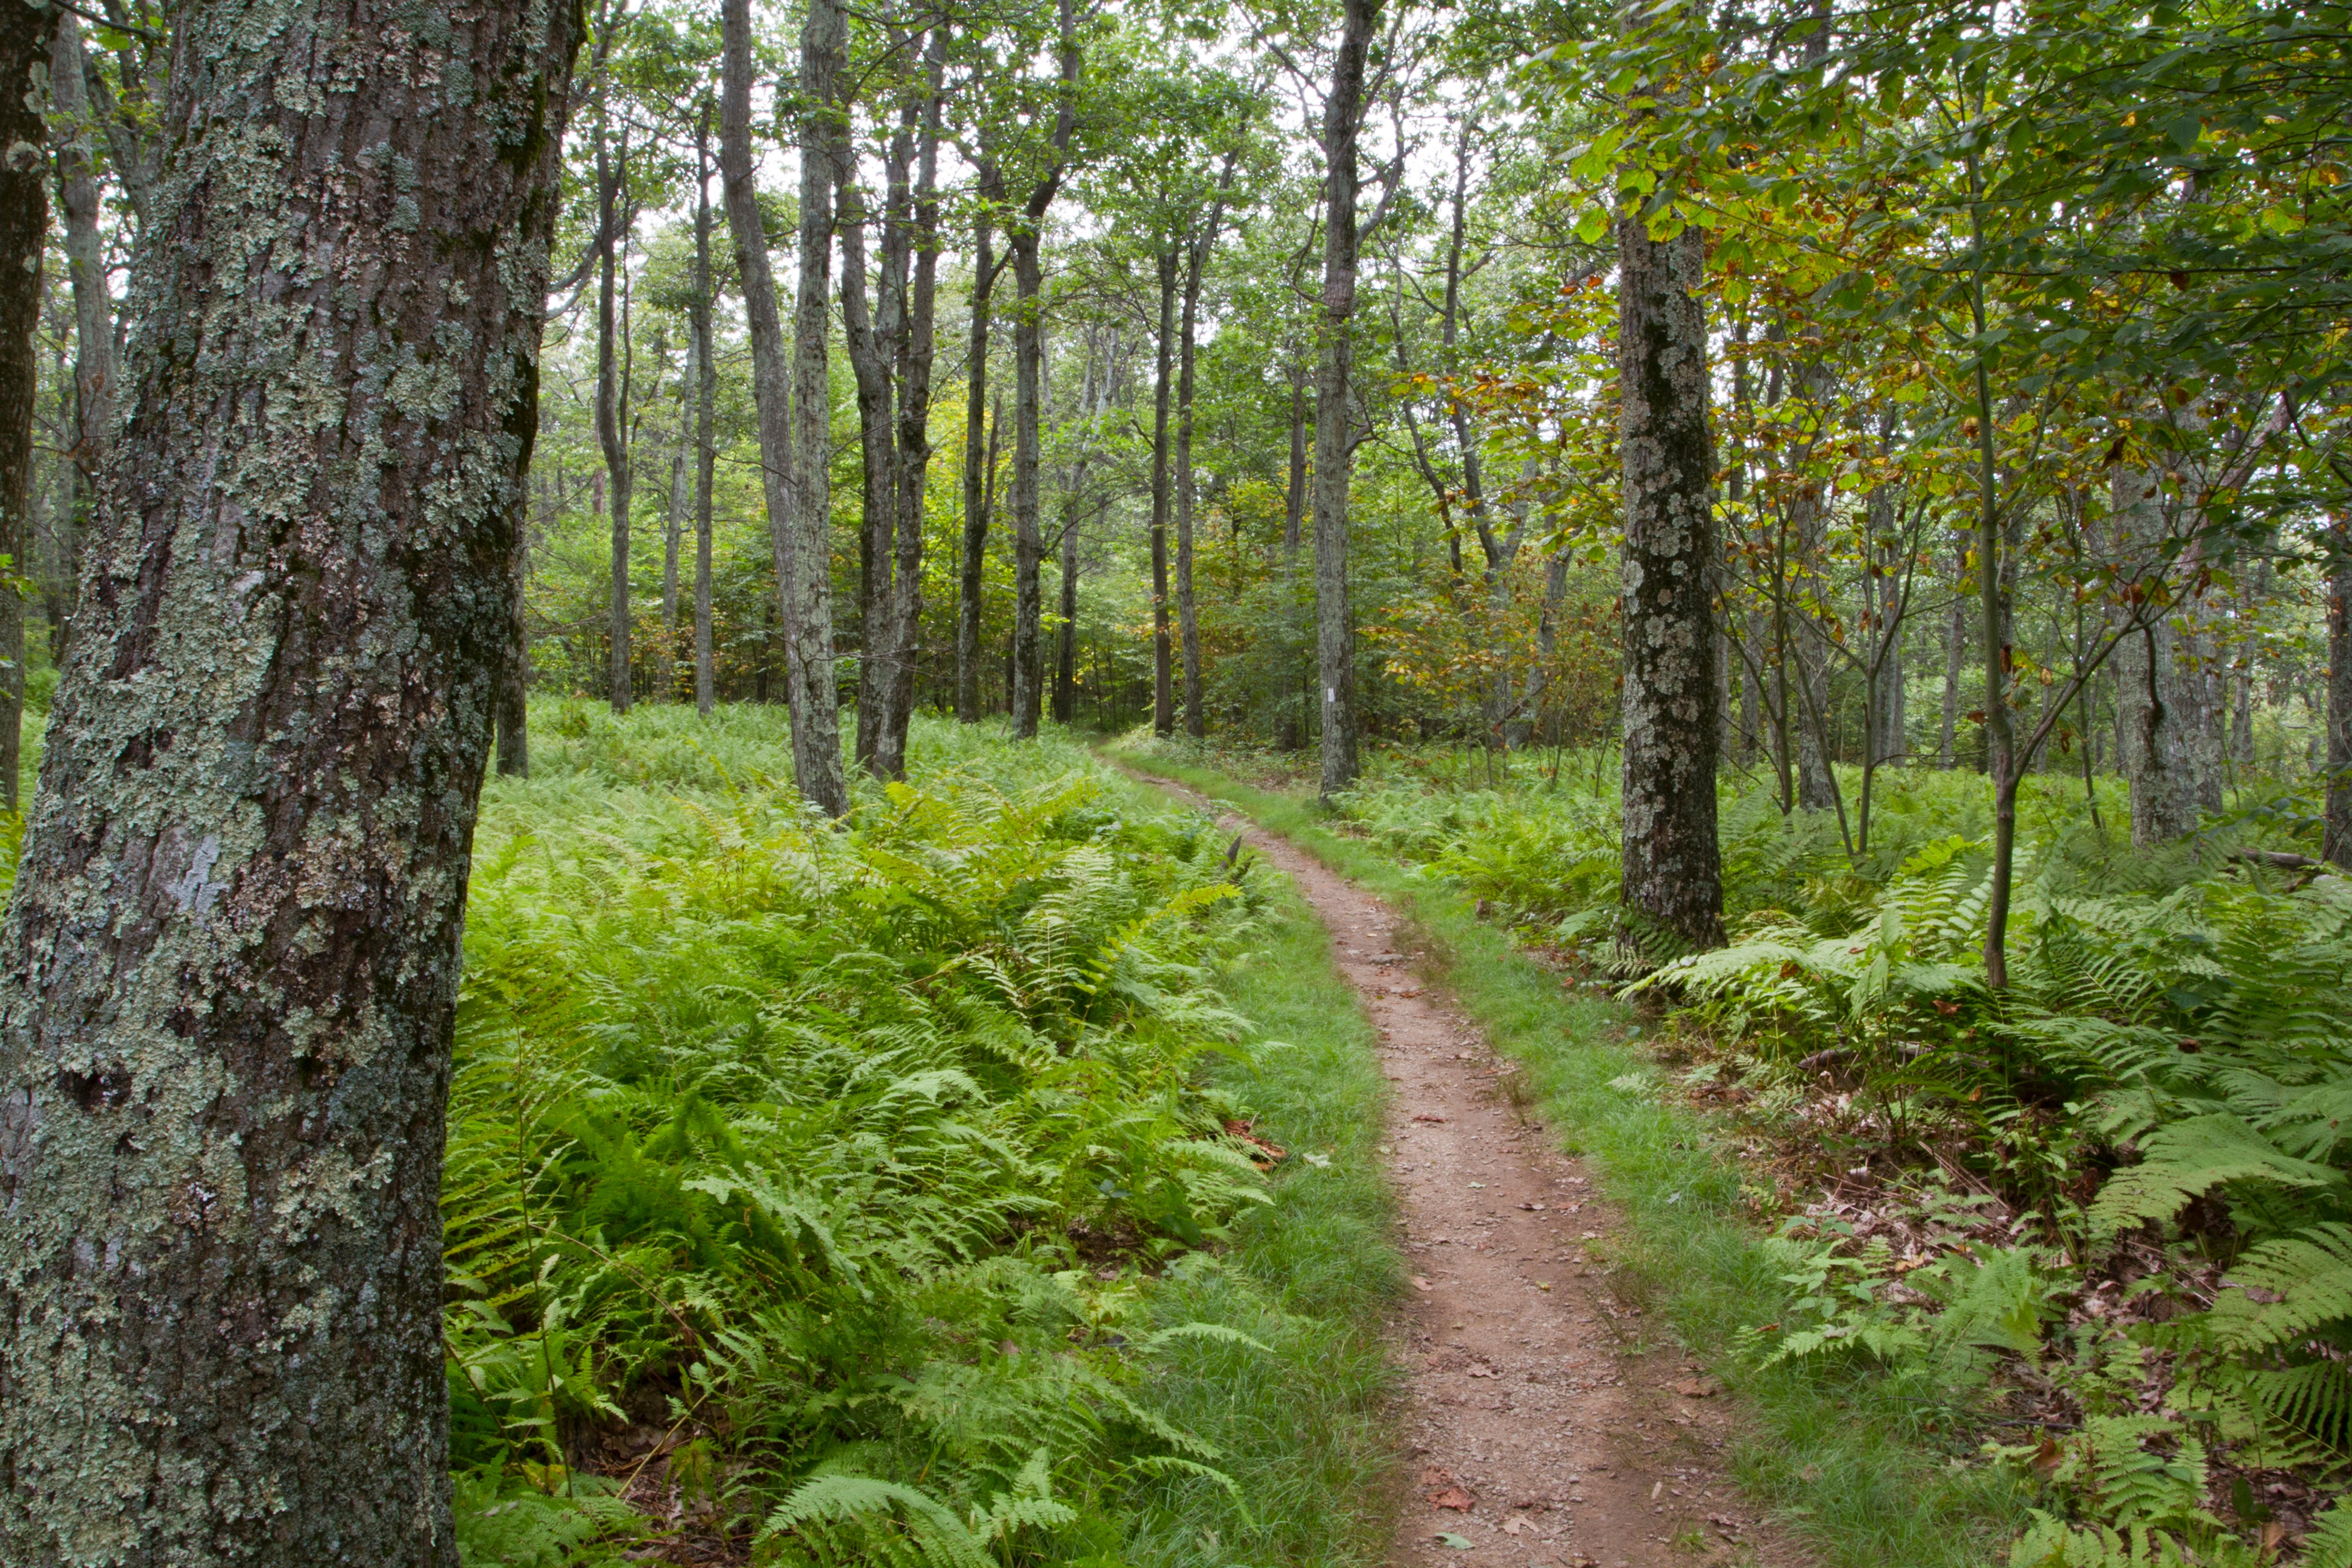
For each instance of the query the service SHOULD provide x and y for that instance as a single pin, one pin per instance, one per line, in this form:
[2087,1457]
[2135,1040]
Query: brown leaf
[1482,1372]
[1454,1498]
[1514,1527]
[1420,1282]
[1425,1116]
[1698,1388]
[1435,1476]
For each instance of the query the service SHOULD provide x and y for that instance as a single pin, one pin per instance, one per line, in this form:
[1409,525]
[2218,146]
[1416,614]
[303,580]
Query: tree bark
[612,390]
[816,732]
[1290,723]
[27,42]
[975,471]
[1028,391]
[807,606]
[681,498]
[1188,618]
[705,403]
[1672,881]
[1335,631]
[232,957]
[510,704]
[2150,709]
[94,389]
[2335,838]
[1163,683]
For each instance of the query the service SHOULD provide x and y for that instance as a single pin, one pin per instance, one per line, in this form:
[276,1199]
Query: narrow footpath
[1546,1421]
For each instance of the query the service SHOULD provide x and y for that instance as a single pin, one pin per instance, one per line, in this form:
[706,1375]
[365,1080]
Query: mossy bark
[232,957]
[1335,451]
[1673,877]
[26,38]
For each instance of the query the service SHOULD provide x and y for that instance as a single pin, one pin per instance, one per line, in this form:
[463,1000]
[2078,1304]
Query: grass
[1310,1430]
[1856,1473]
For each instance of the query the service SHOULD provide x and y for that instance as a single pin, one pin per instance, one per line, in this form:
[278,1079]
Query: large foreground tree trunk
[1335,631]
[1673,883]
[612,431]
[232,962]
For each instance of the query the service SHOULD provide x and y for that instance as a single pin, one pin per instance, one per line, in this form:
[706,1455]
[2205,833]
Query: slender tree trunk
[232,960]
[2335,844]
[1028,392]
[1955,641]
[681,498]
[612,395]
[511,703]
[1188,618]
[1065,638]
[1673,883]
[1290,723]
[867,333]
[917,349]
[705,403]
[1335,630]
[816,732]
[2150,709]
[26,43]
[975,475]
[1164,684]
[1028,538]
[94,413]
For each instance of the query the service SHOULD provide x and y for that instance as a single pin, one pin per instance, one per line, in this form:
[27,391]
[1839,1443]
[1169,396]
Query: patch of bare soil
[1545,1423]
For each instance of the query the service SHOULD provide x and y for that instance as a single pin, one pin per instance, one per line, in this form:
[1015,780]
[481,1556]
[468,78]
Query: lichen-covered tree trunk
[806,582]
[1187,615]
[510,702]
[1674,876]
[681,501]
[1335,630]
[232,961]
[1289,720]
[26,40]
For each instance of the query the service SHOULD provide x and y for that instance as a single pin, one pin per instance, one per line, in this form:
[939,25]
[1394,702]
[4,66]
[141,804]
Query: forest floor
[1547,1421]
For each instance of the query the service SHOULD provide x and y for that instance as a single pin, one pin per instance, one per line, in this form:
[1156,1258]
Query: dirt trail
[1539,1430]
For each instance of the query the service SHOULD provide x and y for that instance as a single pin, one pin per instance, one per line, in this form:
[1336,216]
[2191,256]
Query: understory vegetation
[916,1188]
[2094,1229]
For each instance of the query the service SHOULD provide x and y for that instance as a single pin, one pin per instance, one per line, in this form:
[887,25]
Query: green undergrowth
[900,1190]
[1854,1465]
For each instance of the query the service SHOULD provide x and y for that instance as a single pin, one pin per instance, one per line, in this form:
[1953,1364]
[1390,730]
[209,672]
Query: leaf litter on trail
[1454,1498]
[1447,1538]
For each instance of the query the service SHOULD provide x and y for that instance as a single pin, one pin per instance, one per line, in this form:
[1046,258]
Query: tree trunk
[1290,723]
[232,957]
[975,476]
[681,498]
[705,403]
[612,392]
[26,43]
[1673,883]
[1028,536]
[1188,618]
[867,330]
[1065,636]
[1955,641]
[2150,709]
[1335,631]
[916,349]
[817,733]
[1028,391]
[510,704]
[2335,837]
[807,579]
[1163,683]
[78,196]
